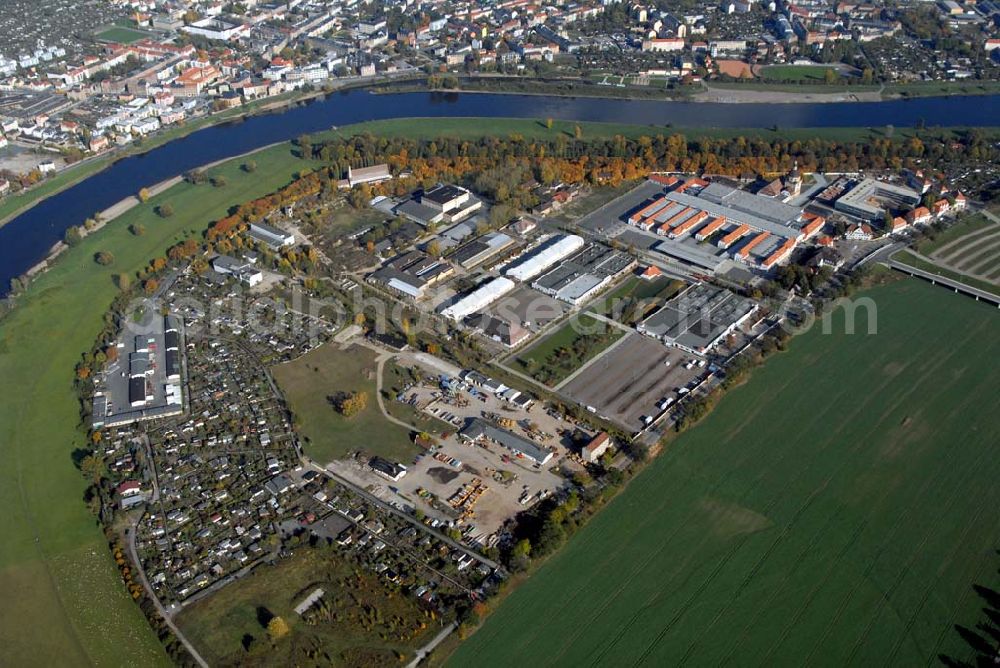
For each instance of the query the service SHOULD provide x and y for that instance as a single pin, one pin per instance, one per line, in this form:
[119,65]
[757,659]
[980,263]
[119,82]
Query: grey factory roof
[761,213]
[690,254]
[697,317]
[479,428]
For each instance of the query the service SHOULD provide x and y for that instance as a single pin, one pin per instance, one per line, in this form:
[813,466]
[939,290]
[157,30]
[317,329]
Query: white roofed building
[478,299]
[543,256]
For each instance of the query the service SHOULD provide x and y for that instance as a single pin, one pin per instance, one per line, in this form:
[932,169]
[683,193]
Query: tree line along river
[25,240]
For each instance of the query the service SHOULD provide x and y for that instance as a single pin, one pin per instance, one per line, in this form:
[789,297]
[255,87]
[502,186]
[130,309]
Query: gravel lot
[627,382]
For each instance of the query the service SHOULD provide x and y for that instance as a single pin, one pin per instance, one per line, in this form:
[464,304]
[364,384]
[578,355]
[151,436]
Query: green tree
[104,258]
[165,210]
[73,236]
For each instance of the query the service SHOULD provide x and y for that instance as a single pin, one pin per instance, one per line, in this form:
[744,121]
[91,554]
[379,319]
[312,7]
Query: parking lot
[476,487]
[630,380]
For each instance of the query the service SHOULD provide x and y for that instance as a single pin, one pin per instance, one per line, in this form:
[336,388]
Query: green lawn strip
[558,354]
[220,624]
[76,610]
[837,508]
[807,73]
[906,257]
[308,384]
[933,88]
[620,302]
[975,254]
[476,128]
[969,225]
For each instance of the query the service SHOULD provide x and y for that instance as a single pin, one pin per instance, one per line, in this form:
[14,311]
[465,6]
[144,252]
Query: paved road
[429,647]
[134,555]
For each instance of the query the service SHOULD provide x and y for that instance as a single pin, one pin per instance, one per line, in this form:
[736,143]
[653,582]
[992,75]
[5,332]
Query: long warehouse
[543,256]
[478,299]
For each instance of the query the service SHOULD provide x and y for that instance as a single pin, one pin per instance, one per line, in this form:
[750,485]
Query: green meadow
[837,509]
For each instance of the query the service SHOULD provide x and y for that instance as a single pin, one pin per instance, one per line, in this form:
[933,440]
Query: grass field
[308,382]
[220,624]
[121,35]
[624,303]
[936,88]
[906,257]
[475,128]
[803,73]
[561,352]
[968,225]
[64,602]
[836,509]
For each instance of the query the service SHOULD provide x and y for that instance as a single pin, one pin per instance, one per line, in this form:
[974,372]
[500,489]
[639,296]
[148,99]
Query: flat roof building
[479,429]
[869,199]
[699,318]
[484,295]
[271,236]
[543,256]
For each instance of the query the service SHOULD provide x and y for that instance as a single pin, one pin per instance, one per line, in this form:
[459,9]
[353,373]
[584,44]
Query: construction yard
[479,486]
[632,379]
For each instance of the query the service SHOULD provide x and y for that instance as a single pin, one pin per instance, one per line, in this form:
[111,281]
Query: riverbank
[64,599]
[750,92]
[14,205]
[474,128]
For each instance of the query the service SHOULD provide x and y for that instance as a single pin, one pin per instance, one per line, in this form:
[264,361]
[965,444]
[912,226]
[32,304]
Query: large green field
[312,379]
[803,73]
[837,509]
[121,35]
[64,602]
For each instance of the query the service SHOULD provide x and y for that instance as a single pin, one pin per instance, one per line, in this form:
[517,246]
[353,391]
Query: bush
[104,258]
[136,229]
[73,236]
[165,210]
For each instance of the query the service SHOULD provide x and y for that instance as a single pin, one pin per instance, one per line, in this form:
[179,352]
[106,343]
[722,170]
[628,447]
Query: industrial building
[410,274]
[243,270]
[482,249]
[479,429]
[387,469]
[584,273]
[699,318]
[441,204]
[869,199]
[144,380]
[272,236]
[751,229]
[544,255]
[484,295]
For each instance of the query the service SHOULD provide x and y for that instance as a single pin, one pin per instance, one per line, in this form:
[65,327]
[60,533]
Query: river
[25,240]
